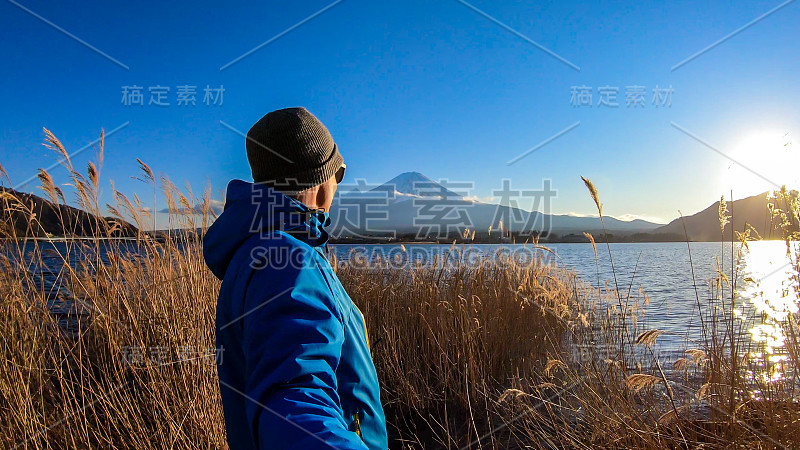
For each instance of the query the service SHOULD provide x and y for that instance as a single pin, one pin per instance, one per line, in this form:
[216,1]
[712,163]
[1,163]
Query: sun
[761,161]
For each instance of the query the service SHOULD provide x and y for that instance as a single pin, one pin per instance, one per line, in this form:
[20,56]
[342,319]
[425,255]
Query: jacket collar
[252,209]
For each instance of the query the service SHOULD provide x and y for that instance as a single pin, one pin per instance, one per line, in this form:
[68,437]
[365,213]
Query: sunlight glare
[766,153]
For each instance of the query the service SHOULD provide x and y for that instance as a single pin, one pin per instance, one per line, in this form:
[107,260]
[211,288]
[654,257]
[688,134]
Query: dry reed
[497,353]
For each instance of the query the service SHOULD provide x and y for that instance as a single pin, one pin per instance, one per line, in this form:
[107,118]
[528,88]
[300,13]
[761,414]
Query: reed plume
[494,354]
[593,193]
[591,239]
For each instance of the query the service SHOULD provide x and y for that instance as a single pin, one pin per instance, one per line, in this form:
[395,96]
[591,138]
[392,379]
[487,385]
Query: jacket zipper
[357,424]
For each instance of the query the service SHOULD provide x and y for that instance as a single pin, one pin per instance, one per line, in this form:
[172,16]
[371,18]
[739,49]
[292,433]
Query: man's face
[327,191]
[330,187]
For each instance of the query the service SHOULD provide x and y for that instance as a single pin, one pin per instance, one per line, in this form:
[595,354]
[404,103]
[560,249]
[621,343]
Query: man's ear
[324,195]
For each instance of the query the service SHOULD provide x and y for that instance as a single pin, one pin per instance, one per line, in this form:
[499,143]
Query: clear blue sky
[433,87]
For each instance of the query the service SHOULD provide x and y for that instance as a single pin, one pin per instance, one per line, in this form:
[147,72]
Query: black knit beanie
[291,150]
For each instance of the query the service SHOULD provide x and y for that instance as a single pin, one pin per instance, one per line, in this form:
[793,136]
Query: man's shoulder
[280,239]
[285,262]
[280,250]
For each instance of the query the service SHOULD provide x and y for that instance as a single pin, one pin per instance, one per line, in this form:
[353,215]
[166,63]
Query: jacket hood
[252,209]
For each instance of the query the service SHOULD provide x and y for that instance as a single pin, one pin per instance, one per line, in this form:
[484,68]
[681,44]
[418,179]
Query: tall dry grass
[110,348]
[449,337]
[499,353]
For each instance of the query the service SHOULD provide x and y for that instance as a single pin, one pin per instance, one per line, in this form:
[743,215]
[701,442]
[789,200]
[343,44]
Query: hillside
[53,220]
[704,225]
[413,203]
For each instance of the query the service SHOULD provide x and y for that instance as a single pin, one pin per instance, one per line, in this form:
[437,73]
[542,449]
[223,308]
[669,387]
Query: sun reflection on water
[769,287]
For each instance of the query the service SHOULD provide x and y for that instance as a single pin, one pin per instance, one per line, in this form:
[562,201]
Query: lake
[767,290]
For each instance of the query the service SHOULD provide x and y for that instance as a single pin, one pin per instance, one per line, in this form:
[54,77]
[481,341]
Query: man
[297,370]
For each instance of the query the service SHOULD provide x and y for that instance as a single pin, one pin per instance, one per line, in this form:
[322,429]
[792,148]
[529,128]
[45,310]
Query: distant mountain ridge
[410,185]
[413,203]
[705,226]
[391,208]
[51,220]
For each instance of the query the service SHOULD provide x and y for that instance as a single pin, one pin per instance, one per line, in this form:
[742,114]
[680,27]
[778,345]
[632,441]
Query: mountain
[704,225]
[410,185]
[414,203]
[51,219]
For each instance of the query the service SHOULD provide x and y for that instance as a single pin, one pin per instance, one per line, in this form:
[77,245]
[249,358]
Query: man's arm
[292,340]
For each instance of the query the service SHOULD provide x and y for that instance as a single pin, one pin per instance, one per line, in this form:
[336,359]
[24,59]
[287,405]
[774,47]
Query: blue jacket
[295,369]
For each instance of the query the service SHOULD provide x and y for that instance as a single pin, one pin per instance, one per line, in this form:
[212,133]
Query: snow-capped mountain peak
[415,184]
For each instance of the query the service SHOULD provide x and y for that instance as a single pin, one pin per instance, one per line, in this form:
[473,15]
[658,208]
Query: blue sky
[433,87]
